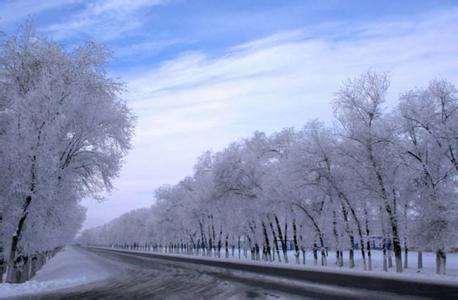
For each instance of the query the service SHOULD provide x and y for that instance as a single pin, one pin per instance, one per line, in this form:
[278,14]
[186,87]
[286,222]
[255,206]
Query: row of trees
[391,174]
[63,133]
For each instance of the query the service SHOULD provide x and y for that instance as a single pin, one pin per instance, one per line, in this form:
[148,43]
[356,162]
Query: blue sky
[143,33]
[201,74]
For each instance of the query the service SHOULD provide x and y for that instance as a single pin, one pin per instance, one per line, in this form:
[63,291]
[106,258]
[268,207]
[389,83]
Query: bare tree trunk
[15,258]
[210,242]
[227,246]
[238,246]
[277,250]
[302,245]
[323,253]
[220,241]
[256,251]
[369,254]
[351,253]
[296,246]
[385,260]
[25,274]
[315,253]
[34,265]
[202,236]
[339,259]
[384,234]
[390,258]
[406,254]
[406,249]
[351,256]
[360,233]
[420,260]
[318,231]
[440,262]
[390,209]
[396,241]
[283,239]
[267,241]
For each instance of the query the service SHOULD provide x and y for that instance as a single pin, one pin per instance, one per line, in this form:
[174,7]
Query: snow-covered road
[139,278]
[122,275]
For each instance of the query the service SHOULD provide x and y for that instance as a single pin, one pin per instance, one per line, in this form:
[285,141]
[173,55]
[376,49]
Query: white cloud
[13,11]
[143,48]
[104,19]
[196,101]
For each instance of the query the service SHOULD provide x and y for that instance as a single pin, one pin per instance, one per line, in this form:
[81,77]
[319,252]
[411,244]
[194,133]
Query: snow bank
[70,267]
[426,275]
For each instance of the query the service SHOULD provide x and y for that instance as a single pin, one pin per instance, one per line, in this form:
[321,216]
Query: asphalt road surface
[144,277]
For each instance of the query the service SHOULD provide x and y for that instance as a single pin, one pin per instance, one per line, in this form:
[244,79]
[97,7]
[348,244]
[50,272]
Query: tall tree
[66,128]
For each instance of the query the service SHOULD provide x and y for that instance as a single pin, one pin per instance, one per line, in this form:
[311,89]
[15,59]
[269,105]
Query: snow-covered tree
[370,175]
[429,119]
[64,133]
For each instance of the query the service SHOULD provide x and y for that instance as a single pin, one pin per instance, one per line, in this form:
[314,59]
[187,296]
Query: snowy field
[70,267]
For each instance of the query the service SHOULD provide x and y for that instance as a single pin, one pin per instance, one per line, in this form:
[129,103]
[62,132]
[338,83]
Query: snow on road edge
[412,277]
[69,268]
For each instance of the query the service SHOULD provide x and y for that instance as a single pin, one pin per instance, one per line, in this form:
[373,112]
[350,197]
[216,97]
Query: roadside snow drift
[70,267]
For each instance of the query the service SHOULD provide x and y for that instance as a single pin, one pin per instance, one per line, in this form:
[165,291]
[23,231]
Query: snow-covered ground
[70,267]
[74,266]
[429,263]
[426,273]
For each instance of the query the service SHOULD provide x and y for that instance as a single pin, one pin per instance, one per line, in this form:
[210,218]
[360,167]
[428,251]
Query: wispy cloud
[199,101]
[291,69]
[144,49]
[103,19]
[14,11]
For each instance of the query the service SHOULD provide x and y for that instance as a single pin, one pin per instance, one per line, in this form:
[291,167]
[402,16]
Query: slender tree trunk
[395,233]
[318,231]
[344,199]
[267,241]
[323,252]
[16,258]
[227,246]
[391,210]
[440,262]
[390,258]
[385,258]
[238,246]
[219,240]
[283,239]
[256,251]
[351,253]
[384,246]
[277,250]
[369,254]
[202,236]
[420,260]
[406,254]
[302,245]
[339,259]
[296,246]
[406,248]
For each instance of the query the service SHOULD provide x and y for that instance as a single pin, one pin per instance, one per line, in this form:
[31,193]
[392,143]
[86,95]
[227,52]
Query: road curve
[150,276]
